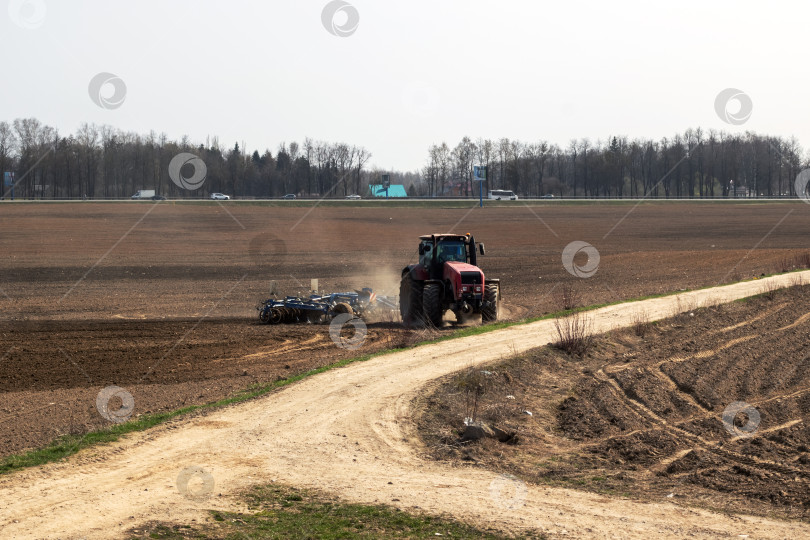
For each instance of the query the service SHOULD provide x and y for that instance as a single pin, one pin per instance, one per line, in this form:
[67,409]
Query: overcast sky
[408,74]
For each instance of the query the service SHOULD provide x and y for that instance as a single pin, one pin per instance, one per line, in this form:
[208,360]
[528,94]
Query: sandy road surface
[349,432]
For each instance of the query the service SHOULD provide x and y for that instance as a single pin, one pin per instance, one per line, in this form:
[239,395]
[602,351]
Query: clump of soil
[644,417]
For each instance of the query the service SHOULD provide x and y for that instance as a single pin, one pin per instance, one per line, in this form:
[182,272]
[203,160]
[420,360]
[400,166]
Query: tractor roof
[445,236]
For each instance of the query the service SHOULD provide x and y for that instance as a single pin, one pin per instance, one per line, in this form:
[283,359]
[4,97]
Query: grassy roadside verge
[68,445]
[277,511]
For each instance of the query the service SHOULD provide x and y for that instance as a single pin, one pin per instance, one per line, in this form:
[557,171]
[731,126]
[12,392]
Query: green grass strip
[282,512]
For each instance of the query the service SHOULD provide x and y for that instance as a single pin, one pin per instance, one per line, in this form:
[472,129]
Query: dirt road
[349,432]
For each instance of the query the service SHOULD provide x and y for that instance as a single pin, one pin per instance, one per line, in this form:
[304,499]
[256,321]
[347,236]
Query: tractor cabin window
[451,251]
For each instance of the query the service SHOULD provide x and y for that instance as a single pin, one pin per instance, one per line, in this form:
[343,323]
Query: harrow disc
[276,316]
[314,317]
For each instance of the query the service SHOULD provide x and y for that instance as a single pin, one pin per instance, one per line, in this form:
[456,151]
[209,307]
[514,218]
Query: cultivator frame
[320,308]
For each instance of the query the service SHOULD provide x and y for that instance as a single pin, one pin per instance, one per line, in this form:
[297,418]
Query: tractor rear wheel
[410,300]
[432,304]
[490,313]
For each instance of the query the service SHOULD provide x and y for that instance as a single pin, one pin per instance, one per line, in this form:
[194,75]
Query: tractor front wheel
[410,300]
[432,304]
[490,313]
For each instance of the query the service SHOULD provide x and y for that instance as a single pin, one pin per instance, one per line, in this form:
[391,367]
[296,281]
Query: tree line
[693,164]
[104,162]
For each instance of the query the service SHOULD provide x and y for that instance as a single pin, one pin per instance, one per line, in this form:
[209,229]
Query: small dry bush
[567,297]
[783,265]
[641,323]
[473,385]
[575,334]
[393,337]
[684,306]
[796,262]
[769,289]
[418,335]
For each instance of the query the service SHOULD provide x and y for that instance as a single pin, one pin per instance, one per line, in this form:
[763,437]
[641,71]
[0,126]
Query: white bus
[499,194]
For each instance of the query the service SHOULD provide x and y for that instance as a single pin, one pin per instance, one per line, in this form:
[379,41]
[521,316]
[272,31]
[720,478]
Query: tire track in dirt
[708,353]
[349,432]
[672,383]
[641,410]
[667,380]
[711,446]
[752,320]
[797,322]
[289,345]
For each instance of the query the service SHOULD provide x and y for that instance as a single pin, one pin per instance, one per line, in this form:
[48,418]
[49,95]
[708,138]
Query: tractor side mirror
[481,249]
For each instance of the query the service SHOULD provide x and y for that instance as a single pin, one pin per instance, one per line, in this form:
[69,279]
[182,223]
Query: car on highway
[220,197]
[353,197]
[549,196]
[289,196]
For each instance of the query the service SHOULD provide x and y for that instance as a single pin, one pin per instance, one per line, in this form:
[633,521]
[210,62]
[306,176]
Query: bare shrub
[798,261]
[769,289]
[575,334]
[641,323]
[712,302]
[678,309]
[684,306]
[796,280]
[472,384]
[419,335]
[785,264]
[567,297]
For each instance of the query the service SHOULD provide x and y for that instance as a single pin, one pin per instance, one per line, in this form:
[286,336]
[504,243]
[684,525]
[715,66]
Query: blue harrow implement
[323,308]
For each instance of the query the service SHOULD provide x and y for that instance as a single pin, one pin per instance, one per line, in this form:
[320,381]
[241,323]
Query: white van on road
[499,194]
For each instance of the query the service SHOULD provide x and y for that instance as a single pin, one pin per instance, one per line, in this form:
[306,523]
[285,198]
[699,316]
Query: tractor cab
[437,249]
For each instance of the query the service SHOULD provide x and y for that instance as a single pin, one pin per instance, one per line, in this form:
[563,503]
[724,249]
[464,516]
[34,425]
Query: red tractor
[447,278]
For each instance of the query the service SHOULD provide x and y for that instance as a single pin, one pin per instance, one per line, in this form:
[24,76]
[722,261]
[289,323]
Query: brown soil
[136,261]
[350,432]
[54,370]
[97,294]
[642,416]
